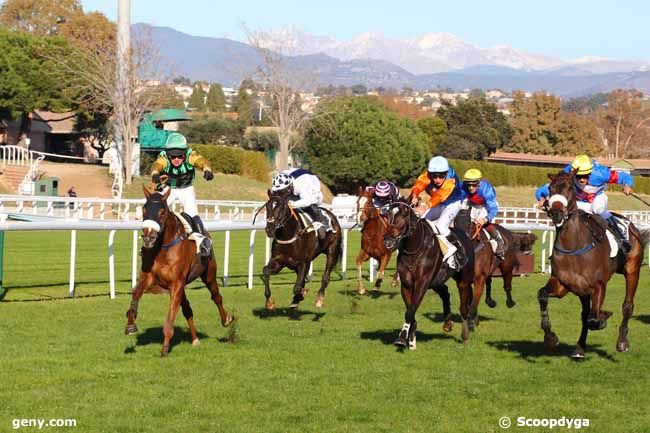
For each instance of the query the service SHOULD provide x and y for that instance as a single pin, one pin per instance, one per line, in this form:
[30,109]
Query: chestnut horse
[420,267]
[374,226]
[581,264]
[169,262]
[486,262]
[295,246]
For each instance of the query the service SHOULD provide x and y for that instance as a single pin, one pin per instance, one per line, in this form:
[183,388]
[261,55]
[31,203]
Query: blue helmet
[438,164]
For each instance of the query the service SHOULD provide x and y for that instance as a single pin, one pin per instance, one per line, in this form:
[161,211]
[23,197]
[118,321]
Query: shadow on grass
[290,313]
[530,351]
[155,336]
[374,294]
[643,318]
[388,336]
[439,318]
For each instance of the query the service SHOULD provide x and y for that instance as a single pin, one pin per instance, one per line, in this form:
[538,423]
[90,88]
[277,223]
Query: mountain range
[433,60]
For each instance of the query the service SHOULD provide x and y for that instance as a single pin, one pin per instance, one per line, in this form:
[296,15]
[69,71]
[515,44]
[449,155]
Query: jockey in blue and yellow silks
[443,186]
[591,180]
[480,198]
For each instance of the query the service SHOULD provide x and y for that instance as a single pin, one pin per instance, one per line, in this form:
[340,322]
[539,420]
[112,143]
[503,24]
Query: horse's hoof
[551,342]
[228,321]
[196,342]
[304,291]
[622,346]
[401,342]
[294,305]
[319,302]
[393,284]
[596,324]
[447,326]
[131,329]
[361,290]
[510,303]
[491,303]
[578,354]
[412,344]
[270,304]
[164,352]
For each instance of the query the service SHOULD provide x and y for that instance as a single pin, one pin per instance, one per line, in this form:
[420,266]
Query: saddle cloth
[624,226]
[308,222]
[193,236]
[443,246]
[491,241]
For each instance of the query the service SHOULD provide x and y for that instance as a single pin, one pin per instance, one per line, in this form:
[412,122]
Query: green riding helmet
[176,144]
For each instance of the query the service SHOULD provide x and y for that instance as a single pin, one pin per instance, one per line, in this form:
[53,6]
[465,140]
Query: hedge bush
[233,160]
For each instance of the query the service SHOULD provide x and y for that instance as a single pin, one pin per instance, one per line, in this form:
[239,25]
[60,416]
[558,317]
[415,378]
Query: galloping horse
[295,246]
[169,262]
[372,239]
[420,267]
[486,262]
[581,264]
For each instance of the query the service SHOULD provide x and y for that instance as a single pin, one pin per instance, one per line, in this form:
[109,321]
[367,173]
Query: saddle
[600,229]
[191,229]
[307,220]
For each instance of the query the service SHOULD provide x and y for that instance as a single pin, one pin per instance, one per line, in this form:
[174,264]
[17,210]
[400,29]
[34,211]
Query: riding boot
[624,243]
[450,255]
[319,219]
[205,249]
[494,233]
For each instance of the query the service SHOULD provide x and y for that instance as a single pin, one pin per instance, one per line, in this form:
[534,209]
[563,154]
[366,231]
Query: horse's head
[401,221]
[278,212]
[154,215]
[364,204]
[562,197]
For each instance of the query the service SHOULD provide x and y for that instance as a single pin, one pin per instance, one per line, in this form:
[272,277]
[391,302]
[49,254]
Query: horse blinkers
[395,232]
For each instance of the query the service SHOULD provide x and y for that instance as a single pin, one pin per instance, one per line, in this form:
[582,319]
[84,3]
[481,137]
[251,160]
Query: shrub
[232,160]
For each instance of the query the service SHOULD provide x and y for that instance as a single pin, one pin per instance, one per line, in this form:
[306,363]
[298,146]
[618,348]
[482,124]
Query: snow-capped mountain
[435,52]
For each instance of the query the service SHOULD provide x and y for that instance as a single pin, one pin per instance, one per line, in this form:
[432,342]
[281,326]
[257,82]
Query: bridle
[287,216]
[410,226]
[159,226]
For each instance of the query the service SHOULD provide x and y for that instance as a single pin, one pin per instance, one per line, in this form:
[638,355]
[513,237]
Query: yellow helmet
[472,175]
[582,165]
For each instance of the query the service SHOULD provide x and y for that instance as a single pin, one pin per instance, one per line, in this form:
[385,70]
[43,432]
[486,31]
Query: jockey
[304,188]
[178,162]
[385,193]
[443,186]
[591,180]
[479,196]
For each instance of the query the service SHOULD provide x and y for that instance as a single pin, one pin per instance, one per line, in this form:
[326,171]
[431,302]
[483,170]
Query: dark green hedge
[507,175]
[233,160]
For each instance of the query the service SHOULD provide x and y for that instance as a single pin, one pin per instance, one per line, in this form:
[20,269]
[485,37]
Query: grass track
[333,370]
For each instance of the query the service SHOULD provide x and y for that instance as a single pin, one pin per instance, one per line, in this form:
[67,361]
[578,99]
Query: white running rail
[16,155]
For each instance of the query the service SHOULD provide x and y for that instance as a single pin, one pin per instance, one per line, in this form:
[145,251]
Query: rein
[580,251]
[292,213]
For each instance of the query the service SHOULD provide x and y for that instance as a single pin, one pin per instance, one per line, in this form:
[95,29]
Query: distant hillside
[228,62]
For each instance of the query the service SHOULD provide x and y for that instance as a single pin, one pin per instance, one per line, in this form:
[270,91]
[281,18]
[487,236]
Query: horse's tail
[644,237]
[339,247]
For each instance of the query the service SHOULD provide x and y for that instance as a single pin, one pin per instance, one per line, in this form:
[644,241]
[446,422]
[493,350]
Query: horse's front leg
[132,313]
[361,258]
[488,293]
[598,319]
[553,288]
[209,277]
[189,316]
[299,286]
[383,262]
[273,267]
[333,252]
[579,352]
[176,295]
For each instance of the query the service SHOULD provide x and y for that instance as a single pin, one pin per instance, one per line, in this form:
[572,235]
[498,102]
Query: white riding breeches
[443,216]
[187,199]
[597,207]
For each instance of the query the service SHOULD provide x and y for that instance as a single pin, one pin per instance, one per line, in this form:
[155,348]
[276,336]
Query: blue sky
[561,28]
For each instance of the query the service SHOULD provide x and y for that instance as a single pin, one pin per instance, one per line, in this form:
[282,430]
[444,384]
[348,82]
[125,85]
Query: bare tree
[92,71]
[624,123]
[281,80]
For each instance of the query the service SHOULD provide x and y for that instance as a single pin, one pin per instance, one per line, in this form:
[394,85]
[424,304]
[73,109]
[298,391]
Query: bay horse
[295,246]
[374,226]
[581,264]
[170,262]
[420,267]
[486,261]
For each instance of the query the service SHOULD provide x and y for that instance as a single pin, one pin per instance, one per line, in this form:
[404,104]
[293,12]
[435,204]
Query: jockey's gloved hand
[155,178]
[207,175]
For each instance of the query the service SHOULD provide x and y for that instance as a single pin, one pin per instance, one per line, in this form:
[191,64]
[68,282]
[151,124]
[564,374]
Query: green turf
[333,370]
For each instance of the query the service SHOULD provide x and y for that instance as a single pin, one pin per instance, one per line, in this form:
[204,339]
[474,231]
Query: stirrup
[205,249]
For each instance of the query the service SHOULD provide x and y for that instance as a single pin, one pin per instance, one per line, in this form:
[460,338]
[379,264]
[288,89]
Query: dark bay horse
[581,264]
[169,262]
[486,261]
[420,267]
[372,239]
[295,247]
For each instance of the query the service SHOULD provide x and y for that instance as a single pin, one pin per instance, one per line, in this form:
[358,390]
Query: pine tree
[197,99]
[216,100]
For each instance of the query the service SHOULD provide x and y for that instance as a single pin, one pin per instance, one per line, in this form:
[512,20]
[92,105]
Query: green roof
[623,164]
[169,115]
